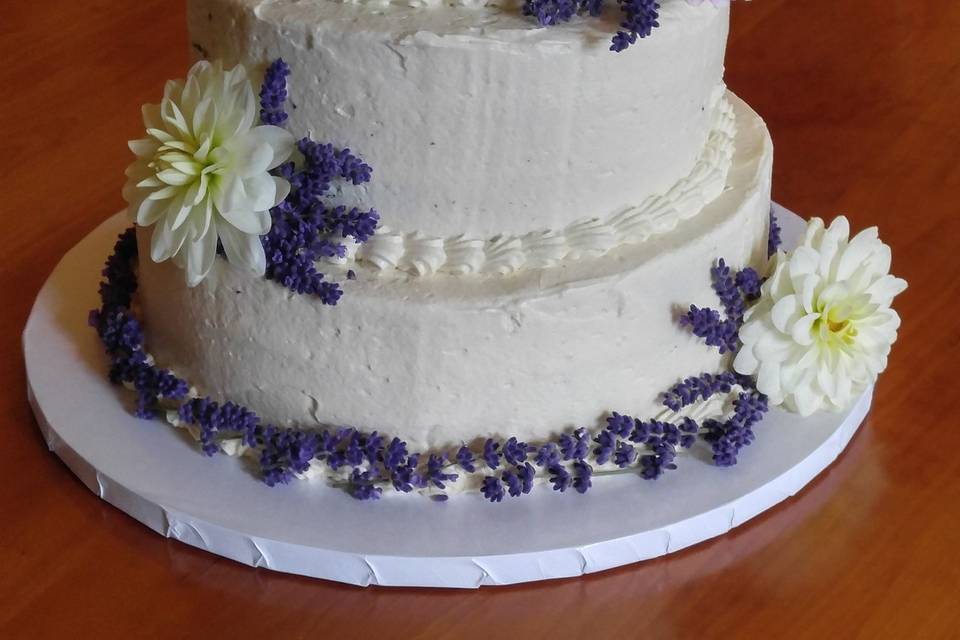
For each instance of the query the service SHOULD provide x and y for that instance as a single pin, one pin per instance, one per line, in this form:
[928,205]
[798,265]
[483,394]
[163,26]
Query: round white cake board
[157,475]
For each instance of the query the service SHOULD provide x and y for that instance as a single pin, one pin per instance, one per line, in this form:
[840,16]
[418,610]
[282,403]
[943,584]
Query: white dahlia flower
[202,172]
[822,328]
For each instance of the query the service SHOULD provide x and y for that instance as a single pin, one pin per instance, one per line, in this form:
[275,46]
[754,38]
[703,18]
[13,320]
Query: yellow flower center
[836,327]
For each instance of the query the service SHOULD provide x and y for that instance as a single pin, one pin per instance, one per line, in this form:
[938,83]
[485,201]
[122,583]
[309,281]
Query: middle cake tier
[440,360]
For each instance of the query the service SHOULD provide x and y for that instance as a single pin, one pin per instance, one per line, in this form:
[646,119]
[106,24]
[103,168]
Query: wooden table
[863,100]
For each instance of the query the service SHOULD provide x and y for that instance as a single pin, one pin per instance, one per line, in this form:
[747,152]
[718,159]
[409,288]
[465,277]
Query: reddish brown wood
[861,98]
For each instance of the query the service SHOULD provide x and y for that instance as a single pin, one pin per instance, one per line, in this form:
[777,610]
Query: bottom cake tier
[442,360]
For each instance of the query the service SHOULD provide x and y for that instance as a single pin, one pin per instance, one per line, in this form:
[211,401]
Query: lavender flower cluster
[735,292]
[773,239]
[305,226]
[122,336]
[640,17]
[273,93]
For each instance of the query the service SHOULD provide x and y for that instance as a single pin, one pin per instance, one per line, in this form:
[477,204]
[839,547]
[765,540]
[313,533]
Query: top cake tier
[478,121]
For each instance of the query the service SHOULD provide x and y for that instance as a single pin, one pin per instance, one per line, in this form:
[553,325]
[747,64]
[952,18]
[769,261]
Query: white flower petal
[833,293]
[242,249]
[282,190]
[175,120]
[793,375]
[806,400]
[164,194]
[191,96]
[803,261]
[802,330]
[261,191]
[172,91]
[827,381]
[191,169]
[178,210]
[248,156]
[784,312]
[200,255]
[150,183]
[160,135]
[768,381]
[885,289]
[166,241]
[773,346]
[255,223]
[144,148]
[279,140]
[149,212]
[227,191]
[745,362]
[813,232]
[204,117]
[856,253]
[174,178]
[191,196]
[808,290]
[840,228]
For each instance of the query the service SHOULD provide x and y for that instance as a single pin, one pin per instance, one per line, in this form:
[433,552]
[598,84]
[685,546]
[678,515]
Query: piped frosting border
[422,255]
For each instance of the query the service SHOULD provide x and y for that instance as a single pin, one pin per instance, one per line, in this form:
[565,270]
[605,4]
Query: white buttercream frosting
[587,237]
[438,360]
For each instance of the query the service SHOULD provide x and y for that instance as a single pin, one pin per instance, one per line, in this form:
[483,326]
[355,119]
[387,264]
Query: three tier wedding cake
[415,247]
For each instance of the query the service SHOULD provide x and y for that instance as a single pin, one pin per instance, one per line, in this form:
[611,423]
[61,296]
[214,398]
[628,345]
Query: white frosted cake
[547,211]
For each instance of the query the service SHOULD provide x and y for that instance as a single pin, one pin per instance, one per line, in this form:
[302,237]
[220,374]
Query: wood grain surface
[863,100]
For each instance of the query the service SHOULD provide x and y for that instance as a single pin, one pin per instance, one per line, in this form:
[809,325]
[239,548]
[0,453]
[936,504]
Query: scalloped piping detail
[503,254]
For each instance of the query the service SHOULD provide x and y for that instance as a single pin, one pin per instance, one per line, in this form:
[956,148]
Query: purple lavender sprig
[304,227]
[437,474]
[697,388]
[519,480]
[122,336]
[215,419]
[286,452]
[492,453]
[640,18]
[716,331]
[273,93]
[363,485]
[734,290]
[492,489]
[574,446]
[774,241]
[730,436]
[516,452]
[725,286]
[552,12]
[465,459]
[582,474]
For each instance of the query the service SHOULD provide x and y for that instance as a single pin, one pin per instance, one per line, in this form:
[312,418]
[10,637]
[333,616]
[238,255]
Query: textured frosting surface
[440,360]
[420,254]
[478,122]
